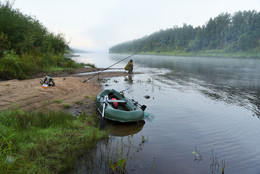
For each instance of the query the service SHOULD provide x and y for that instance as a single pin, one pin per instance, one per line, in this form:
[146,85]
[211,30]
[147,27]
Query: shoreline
[69,93]
[206,53]
[47,130]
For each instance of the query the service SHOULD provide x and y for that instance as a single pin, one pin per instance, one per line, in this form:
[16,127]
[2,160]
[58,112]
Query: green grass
[44,142]
[89,97]
[79,102]
[89,64]
[66,106]
[56,69]
[58,101]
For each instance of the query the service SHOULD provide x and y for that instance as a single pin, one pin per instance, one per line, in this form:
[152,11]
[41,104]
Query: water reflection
[112,155]
[129,79]
[197,102]
[120,129]
[232,80]
[219,88]
[215,165]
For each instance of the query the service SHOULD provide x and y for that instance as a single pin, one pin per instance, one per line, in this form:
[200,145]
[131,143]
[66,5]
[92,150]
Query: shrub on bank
[27,47]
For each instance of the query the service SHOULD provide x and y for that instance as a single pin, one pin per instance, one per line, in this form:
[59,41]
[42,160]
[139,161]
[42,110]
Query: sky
[97,25]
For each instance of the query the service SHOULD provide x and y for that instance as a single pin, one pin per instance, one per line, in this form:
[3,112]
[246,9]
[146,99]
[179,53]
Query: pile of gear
[47,80]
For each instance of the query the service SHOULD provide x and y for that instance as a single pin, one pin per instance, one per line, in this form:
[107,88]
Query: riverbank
[216,53]
[46,130]
[205,53]
[69,92]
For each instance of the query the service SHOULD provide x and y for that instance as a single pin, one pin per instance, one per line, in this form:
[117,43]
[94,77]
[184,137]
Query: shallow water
[204,117]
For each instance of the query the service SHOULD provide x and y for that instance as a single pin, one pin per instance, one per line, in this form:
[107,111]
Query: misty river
[204,116]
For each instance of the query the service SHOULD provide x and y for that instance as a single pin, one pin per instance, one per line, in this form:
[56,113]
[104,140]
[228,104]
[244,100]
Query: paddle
[102,125]
[118,101]
[143,107]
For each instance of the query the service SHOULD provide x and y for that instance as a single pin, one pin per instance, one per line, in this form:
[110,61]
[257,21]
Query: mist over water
[206,116]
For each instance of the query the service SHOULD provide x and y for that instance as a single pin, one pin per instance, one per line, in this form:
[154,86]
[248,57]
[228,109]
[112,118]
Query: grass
[59,101]
[66,106]
[43,142]
[90,65]
[79,102]
[56,69]
[89,97]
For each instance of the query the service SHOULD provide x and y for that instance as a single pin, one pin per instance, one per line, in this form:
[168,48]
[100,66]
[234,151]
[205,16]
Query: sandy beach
[69,93]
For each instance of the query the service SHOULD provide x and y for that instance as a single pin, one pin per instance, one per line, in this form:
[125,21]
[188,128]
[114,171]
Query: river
[203,116]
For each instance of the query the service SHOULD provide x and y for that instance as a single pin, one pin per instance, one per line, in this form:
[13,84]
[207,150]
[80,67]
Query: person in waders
[129,67]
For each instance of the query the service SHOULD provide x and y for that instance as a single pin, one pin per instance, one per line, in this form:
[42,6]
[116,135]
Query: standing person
[129,67]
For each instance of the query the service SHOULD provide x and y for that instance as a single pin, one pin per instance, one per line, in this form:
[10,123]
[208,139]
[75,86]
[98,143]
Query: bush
[34,49]
[10,67]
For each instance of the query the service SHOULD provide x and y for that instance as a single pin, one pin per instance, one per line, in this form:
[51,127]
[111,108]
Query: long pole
[111,66]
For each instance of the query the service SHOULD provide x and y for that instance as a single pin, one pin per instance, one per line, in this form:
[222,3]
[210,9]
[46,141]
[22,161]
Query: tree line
[26,46]
[230,33]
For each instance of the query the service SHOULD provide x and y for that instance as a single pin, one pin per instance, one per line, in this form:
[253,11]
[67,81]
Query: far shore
[205,53]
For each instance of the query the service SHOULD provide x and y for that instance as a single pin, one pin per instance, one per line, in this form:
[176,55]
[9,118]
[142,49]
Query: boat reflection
[123,129]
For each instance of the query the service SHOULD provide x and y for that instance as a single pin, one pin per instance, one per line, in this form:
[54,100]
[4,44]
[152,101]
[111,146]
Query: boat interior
[117,105]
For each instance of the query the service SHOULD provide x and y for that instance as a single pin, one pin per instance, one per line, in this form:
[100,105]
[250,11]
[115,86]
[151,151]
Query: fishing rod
[140,66]
[159,43]
[111,66]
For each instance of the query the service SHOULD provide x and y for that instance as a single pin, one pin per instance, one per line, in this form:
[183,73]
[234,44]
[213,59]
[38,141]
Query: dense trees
[26,46]
[25,34]
[240,32]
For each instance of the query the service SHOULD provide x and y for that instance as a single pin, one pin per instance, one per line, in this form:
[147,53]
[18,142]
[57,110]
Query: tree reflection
[234,81]
[112,155]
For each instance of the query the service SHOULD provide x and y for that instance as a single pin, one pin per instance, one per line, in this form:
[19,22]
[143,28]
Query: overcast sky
[96,25]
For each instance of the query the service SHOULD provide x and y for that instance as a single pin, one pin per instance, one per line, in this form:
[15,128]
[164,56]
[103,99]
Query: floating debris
[147,96]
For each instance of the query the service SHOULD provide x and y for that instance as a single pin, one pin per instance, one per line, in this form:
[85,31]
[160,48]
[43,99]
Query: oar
[118,101]
[103,112]
[102,125]
[143,107]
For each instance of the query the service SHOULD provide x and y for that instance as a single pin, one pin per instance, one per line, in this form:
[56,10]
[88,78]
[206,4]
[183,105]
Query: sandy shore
[69,93]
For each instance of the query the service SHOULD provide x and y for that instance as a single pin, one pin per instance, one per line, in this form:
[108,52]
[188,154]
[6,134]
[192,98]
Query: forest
[226,33]
[27,47]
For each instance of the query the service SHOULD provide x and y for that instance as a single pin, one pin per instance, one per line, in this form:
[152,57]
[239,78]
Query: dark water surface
[205,117]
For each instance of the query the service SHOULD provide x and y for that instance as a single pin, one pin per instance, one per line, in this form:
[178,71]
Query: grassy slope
[44,142]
